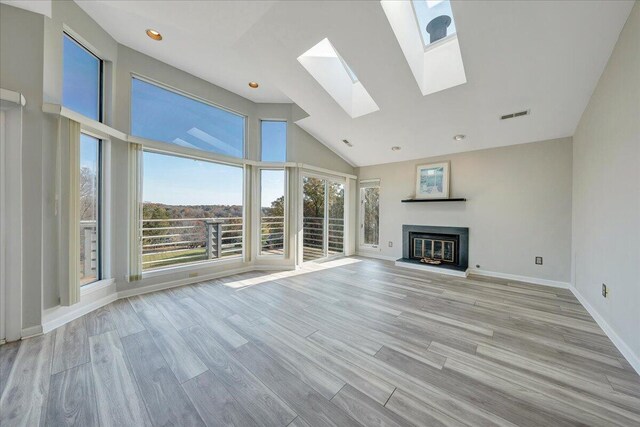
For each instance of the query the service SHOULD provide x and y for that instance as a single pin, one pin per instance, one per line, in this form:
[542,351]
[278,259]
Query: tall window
[163,115]
[272,212]
[274,141]
[90,177]
[192,211]
[370,213]
[82,80]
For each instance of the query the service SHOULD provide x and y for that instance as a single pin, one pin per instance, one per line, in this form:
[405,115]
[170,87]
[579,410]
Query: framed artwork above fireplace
[432,181]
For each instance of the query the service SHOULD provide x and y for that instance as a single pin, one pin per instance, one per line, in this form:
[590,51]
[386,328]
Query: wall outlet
[390,244]
[538,260]
[605,291]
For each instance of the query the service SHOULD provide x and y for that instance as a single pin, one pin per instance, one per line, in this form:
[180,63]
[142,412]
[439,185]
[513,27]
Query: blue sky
[81,80]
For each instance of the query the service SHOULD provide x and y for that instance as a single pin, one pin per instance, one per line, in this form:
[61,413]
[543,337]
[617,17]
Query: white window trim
[194,266]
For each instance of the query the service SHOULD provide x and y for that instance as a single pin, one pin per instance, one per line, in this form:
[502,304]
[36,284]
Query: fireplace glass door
[322,217]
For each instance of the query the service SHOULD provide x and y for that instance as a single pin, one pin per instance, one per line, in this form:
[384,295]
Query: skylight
[329,68]
[435,20]
[428,37]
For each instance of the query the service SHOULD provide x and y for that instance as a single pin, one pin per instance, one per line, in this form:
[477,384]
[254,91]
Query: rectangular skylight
[329,68]
[435,20]
[428,38]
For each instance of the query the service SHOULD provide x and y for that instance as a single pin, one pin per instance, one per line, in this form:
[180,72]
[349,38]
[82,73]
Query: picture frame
[432,181]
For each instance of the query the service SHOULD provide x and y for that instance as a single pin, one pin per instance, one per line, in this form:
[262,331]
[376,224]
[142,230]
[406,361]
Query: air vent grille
[514,115]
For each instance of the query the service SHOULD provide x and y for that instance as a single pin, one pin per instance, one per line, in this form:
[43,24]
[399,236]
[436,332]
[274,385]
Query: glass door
[323,218]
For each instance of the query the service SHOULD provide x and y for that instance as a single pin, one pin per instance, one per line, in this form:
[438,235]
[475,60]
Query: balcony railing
[88,251]
[313,237]
[168,242]
[272,235]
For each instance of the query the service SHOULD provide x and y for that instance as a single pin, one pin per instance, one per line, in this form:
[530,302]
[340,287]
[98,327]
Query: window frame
[286,141]
[100,211]
[285,228]
[101,79]
[194,265]
[373,183]
[178,149]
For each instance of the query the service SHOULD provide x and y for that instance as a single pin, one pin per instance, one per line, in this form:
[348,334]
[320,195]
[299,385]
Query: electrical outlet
[605,291]
[390,244]
[538,260]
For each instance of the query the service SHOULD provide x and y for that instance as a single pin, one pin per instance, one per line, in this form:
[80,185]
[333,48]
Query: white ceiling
[545,56]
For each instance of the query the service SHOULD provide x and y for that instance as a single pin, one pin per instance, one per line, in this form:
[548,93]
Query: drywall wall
[21,65]
[606,192]
[519,207]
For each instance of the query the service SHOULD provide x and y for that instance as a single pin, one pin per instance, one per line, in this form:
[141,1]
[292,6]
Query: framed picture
[432,181]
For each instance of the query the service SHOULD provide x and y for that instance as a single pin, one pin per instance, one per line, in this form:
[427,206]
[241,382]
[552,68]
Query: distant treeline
[162,211]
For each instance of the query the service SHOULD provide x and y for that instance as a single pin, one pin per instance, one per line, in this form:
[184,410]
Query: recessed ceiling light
[253,85]
[154,34]
[396,148]
[459,137]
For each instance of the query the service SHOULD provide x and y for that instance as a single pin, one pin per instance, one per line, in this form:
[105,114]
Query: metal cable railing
[167,242]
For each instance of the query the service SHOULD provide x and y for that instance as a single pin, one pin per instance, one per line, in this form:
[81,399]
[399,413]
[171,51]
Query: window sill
[96,286]
[190,267]
[369,248]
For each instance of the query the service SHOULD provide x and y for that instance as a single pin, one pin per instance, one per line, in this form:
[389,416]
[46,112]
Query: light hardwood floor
[347,342]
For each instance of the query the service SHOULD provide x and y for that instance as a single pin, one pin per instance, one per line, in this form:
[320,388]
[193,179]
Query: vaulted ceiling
[545,56]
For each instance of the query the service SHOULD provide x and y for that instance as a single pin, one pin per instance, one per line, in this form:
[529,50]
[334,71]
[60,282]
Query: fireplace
[441,247]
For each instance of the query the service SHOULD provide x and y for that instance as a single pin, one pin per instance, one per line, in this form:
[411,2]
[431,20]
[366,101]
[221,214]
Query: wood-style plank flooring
[347,342]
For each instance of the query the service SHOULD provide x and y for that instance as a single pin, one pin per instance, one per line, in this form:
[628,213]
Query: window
[274,141]
[435,20]
[370,213]
[82,80]
[90,221]
[163,115]
[192,211]
[272,212]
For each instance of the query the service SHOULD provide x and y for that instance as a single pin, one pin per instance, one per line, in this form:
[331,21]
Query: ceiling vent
[514,115]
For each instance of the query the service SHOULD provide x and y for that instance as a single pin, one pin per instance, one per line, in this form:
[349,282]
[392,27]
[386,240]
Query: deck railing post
[214,238]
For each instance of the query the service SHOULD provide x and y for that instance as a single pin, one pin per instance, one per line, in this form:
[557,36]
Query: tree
[88,186]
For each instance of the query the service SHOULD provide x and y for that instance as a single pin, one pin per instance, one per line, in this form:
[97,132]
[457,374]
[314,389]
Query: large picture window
[90,215]
[370,213]
[272,212]
[274,141]
[163,115]
[192,211]
[82,80]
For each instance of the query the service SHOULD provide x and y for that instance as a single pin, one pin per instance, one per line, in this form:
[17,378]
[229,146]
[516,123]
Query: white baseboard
[181,282]
[518,278]
[58,316]
[432,269]
[32,331]
[632,358]
[376,256]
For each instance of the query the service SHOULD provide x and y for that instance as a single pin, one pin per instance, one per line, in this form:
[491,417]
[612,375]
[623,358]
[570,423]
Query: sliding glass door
[323,218]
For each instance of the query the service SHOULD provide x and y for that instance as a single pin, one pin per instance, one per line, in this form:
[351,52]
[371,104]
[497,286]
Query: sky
[163,115]
[426,10]
[81,80]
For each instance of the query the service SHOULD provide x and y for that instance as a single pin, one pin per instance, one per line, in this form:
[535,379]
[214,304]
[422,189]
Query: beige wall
[606,192]
[518,207]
